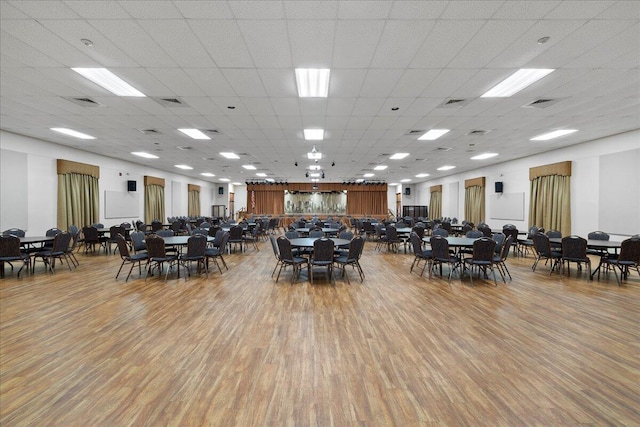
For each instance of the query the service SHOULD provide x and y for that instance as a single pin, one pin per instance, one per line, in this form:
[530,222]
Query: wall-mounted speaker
[220,190]
[499,187]
[407,191]
[131,185]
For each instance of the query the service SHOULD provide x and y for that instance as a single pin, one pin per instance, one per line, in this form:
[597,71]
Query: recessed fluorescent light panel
[315,167]
[314,155]
[209,174]
[312,82]
[554,134]
[74,133]
[235,183]
[314,134]
[261,174]
[185,167]
[194,133]
[250,167]
[225,179]
[422,175]
[360,180]
[143,154]
[230,155]
[446,168]
[380,168]
[516,82]
[405,180]
[314,175]
[433,134]
[109,81]
[484,156]
[270,180]
[398,156]
[368,175]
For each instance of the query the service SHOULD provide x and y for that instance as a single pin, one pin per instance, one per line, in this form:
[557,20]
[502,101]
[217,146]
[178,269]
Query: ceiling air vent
[454,103]
[184,148]
[542,103]
[170,102]
[84,102]
[415,132]
[442,149]
[150,131]
[478,132]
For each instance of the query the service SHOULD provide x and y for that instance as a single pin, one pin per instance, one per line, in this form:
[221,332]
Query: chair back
[14,232]
[392,234]
[52,232]
[176,226]
[322,251]
[630,251]
[204,224]
[217,239]
[156,225]
[274,246]
[223,242]
[91,234]
[511,232]
[504,254]
[533,230]
[440,232]
[499,238]
[316,232]
[416,243]
[137,239]
[574,248]
[61,242]
[284,248]
[10,247]
[474,234]
[541,244]
[554,234]
[345,234]
[196,246]
[155,247]
[73,229]
[356,245]
[486,230]
[598,235]
[123,248]
[466,228]
[115,230]
[440,248]
[165,233]
[291,234]
[126,225]
[446,226]
[235,233]
[97,225]
[419,230]
[483,250]
[200,231]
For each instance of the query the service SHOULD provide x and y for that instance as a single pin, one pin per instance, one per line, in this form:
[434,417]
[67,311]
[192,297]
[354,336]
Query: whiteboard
[619,204]
[121,204]
[507,206]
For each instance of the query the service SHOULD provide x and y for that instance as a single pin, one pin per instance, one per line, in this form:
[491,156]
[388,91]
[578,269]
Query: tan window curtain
[474,200]
[366,202]
[193,208]
[78,194]
[153,199]
[550,204]
[435,203]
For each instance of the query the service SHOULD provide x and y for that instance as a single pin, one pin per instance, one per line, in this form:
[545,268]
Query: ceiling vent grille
[478,132]
[84,102]
[150,131]
[415,132]
[541,103]
[170,102]
[184,148]
[454,103]
[442,149]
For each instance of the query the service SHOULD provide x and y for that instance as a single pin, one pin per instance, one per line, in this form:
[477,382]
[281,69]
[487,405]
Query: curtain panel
[550,205]
[435,205]
[78,200]
[153,203]
[367,202]
[474,204]
[193,208]
[265,202]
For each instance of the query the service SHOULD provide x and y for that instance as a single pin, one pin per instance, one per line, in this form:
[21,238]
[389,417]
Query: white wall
[585,182]
[41,184]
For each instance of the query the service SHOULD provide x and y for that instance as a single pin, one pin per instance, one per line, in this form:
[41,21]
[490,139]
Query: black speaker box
[499,187]
[220,190]
[407,191]
[131,185]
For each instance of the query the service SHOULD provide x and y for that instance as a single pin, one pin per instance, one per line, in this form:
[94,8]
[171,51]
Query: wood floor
[82,349]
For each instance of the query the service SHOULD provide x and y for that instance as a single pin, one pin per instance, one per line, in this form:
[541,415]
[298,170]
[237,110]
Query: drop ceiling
[395,67]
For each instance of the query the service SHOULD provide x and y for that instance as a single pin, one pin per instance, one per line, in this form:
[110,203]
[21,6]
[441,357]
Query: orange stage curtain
[366,202]
[266,202]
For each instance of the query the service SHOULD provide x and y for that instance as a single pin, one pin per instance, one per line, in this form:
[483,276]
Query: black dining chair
[543,250]
[420,254]
[218,249]
[322,256]
[158,256]
[10,252]
[440,254]
[287,258]
[58,251]
[574,249]
[352,257]
[128,258]
[196,252]
[482,258]
[629,258]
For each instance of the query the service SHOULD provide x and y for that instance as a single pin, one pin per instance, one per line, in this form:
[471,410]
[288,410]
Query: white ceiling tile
[380,82]
[311,43]
[621,10]
[258,106]
[278,82]
[290,122]
[204,9]
[317,9]
[530,9]
[25,53]
[444,42]
[313,106]
[286,106]
[340,106]
[417,9]
[355,43]
[177,80]
[211,81]
[361,9]
[367,106]
[449,81]
[151,9]
[601,55]
[97,9]
[413,82]
[267,42]
[223,40]
[578,9]
[460,10]
[38,9]
[400,42]
[257,9]
[423,106]
[244,81]
[359,122]
[346,83]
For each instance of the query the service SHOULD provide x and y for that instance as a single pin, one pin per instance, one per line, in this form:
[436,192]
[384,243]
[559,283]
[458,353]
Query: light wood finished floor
[82,349]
